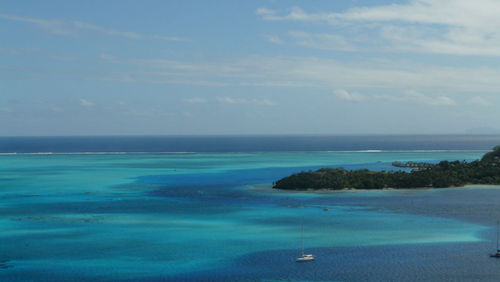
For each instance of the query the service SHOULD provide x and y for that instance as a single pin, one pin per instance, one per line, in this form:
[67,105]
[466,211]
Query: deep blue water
[212,215]
[281,143]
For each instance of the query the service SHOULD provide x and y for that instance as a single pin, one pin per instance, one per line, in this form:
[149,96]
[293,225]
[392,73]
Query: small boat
[497,253]
[304,257]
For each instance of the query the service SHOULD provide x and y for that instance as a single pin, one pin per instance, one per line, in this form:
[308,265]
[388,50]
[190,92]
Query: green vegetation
[444,174]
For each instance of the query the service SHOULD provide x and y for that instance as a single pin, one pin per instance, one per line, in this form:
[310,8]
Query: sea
[202,208]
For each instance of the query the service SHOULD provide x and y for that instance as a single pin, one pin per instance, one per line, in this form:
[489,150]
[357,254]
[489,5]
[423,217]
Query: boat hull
[305,258]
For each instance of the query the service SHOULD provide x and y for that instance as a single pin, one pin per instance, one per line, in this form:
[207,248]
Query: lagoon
[206,216]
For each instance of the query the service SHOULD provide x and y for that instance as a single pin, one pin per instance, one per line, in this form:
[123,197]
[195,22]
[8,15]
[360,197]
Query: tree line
[441,175]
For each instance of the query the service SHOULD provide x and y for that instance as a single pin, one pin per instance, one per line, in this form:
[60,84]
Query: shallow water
[213,216]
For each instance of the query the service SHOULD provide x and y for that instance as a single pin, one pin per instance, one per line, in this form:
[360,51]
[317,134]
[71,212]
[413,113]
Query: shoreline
[267,188]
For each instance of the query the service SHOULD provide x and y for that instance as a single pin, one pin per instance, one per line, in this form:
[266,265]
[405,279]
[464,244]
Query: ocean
[251,143]
[201,208]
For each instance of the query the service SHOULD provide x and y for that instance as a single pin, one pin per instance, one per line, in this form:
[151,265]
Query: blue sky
[249,67]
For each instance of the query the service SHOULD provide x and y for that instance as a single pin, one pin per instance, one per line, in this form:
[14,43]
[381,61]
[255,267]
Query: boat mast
[498,226]
[303,240]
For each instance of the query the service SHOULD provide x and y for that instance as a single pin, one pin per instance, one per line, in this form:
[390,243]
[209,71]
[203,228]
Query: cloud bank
[410,97]
[459,27]
[74,27]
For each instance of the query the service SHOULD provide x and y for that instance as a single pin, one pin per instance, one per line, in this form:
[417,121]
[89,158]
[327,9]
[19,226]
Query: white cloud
[388,75]
[194,100]
[234,101]
[83,25]
[414,97]
[60,27]
[265,13]
[86,103]
[265,102]
[295,14]
[346,96]
[175,65]
[478,100]
[322,41]
[73,27]
[170,38]
[459,27]
[229,100]
[274,39]
[410,97]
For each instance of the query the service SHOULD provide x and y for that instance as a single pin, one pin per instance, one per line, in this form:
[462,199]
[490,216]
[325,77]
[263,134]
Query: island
[441,175]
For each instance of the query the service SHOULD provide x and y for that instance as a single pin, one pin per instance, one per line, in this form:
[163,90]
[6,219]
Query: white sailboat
[497,254]
[304,257]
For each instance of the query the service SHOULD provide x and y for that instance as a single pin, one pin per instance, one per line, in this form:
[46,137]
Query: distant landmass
[441,175]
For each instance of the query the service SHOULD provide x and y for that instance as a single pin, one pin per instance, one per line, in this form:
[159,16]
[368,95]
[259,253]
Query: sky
[249,67]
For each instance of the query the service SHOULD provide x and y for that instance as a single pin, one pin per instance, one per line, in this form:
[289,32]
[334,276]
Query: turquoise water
[206,216]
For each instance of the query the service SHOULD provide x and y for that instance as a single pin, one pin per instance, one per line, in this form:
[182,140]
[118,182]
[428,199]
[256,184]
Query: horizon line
[260,135]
